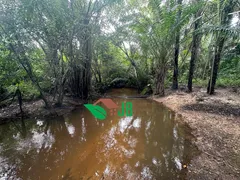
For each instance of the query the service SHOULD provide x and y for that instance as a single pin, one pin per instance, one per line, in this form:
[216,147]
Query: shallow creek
[150,144]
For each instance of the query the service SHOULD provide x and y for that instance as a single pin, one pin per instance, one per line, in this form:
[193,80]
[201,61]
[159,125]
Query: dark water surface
[147,145]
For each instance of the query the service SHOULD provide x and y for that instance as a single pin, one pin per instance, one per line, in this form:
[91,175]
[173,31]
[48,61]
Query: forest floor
[215,123]
[35,109]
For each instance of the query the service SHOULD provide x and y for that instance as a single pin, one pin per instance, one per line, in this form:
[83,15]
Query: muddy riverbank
[215,121]
[35,109]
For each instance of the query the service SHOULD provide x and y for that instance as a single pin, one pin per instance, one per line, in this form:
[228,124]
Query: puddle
[146,145]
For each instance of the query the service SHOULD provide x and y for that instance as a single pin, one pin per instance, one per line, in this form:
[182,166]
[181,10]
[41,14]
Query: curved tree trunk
[225,8]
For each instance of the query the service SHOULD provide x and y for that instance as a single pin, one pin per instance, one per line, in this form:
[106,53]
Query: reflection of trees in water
[169,138]
[20,140]
[84,130]
[30,144]
[69,126]
[146,146]
[44,144]
[7,169]
[24,130]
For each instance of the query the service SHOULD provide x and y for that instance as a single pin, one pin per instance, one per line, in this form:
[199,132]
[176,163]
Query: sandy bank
[215,121]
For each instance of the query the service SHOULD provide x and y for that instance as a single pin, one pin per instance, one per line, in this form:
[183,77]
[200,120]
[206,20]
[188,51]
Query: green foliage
[226,82]
[28,90]
[43,43]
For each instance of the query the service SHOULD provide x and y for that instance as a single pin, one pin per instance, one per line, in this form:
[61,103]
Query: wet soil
[215,121]
[35,109]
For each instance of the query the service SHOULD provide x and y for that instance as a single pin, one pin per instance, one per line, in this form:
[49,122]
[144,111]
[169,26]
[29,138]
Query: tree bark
[81,76]
[217,57]
[176,52]
[194,51]
[87,51]
[226,7]
[62,80]
[160,78]
[27,67]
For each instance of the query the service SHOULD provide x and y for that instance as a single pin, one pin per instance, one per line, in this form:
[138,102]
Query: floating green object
[97,111]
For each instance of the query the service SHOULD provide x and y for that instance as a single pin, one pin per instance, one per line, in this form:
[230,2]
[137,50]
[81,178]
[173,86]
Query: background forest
[81,47]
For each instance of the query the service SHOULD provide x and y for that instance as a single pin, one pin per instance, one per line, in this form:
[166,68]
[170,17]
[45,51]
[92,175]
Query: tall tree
[15,37]
[195,47]
[177,46]
[225,8]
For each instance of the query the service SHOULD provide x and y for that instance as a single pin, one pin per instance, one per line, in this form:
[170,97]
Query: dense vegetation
[79,47]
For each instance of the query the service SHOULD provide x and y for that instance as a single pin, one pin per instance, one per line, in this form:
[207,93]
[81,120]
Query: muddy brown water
[147,145]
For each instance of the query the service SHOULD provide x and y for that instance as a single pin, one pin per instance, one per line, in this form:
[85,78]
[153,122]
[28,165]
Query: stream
[150,144]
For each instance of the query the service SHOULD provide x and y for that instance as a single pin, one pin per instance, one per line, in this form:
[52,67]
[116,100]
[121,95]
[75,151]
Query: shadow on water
[147,145]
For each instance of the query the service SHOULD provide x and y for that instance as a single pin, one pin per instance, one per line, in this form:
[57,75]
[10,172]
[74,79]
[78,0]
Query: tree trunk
[27,67]
[176,52]
[217,57]
[62,79]
[194,51]
[81,77]
[175,71]
[160,80]
[226,7]
[87,51]
[60,95]
[99,76]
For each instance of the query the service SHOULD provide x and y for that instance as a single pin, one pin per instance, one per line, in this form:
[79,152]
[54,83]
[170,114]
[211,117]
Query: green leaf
[97,111]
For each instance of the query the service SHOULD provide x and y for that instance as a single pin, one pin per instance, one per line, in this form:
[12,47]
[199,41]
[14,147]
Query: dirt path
[215,121]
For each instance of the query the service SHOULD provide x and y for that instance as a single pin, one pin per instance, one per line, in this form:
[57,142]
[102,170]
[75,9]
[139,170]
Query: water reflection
[83,138]
[147,145]
[70,127]
[36,141]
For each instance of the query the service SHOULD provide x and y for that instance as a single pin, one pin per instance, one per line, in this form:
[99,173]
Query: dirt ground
[35,109]
[215,121]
